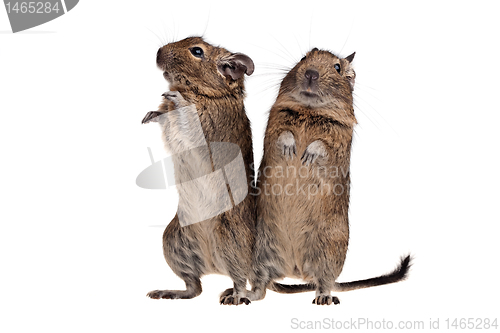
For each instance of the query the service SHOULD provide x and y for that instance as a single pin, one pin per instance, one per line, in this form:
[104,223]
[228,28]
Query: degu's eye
[197,51]
[337,67]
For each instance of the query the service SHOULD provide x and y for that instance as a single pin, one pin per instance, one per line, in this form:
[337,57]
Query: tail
[399,274]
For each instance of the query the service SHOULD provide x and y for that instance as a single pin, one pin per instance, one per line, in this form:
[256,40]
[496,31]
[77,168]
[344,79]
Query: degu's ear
[350,57]
[349,73]
[235,65]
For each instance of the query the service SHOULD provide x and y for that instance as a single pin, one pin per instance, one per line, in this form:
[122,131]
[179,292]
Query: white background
[80,244]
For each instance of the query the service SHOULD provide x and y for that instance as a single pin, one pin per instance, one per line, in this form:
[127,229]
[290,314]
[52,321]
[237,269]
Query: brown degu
[303,183]
[207,81]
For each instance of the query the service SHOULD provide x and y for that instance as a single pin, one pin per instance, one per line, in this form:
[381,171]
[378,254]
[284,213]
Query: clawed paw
[165,294]
[313,152]
[233,300]
[289,151]
[325,300]
[308,158]
[151,116]
[176,98]
[286,143]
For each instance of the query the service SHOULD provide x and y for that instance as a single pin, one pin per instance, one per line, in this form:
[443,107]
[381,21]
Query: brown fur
[304,179]
[214,83]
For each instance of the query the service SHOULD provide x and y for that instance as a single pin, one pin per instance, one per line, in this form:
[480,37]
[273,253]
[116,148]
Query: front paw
[314,152]
[176,98]
[286,144]
[151,116]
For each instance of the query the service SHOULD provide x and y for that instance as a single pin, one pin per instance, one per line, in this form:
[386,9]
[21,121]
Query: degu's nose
[311,75]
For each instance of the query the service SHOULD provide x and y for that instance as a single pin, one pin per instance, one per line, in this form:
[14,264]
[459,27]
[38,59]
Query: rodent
[303,183]
[212,79]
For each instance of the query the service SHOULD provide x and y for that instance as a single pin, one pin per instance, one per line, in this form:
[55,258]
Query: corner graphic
[25,15]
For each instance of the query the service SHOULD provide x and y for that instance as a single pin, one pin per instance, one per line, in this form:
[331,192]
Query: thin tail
[398,274]
[291,288]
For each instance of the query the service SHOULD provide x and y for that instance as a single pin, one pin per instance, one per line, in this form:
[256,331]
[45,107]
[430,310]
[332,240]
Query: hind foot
[325,300]
[171,294]
[229,298]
